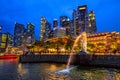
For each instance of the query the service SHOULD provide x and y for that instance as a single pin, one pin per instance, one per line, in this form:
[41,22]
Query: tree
[59,44]
[69,44]
[37,44]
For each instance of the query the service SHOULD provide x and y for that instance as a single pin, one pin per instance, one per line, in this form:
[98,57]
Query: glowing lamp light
[62,49]
[1,54]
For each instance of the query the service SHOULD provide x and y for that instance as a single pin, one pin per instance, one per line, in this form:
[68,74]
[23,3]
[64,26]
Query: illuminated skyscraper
[18,34]
[83,21]
[55,23]
[6,39]
[74,22]
[3,41]
[82,18]
[42,28]
[47,30]
[65,23]
[92,23]
[29,36]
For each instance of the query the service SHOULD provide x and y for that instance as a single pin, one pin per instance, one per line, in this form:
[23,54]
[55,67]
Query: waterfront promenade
[112,61]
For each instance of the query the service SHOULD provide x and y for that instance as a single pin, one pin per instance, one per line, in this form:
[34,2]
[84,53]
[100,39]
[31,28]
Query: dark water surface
[13,70]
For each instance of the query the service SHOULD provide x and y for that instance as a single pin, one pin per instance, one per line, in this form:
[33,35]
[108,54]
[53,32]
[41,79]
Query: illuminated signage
[82,8]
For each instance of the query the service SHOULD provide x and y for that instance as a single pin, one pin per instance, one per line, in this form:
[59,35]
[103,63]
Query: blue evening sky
[23,11]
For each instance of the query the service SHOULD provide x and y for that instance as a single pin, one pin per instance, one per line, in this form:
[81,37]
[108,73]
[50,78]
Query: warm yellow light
[82,8]
[3,45]
[4,38]
[89,25]
[1,54]
[93,18]
[63,49]
[90,14]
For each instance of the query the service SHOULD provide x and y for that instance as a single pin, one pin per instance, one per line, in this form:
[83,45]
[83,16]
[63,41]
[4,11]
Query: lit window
[90,14]
[82,8]
[89,19]
[89,25]
[4,38]
[93,18]
[2,45]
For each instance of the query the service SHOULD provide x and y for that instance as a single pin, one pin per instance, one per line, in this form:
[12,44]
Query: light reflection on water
[12,70]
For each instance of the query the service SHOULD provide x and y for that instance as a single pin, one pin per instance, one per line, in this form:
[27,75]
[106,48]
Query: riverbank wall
[112,61]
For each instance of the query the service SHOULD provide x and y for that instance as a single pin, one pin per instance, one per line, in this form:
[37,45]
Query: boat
[8,56]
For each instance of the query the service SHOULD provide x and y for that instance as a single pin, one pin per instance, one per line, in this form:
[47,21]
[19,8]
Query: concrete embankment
[112,61]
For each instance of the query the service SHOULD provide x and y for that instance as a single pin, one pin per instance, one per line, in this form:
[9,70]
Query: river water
[13,70]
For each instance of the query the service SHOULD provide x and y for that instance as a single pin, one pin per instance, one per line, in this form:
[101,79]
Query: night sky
[23,11]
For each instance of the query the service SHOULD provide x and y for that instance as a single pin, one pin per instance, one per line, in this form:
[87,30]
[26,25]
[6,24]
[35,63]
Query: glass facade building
[18,34]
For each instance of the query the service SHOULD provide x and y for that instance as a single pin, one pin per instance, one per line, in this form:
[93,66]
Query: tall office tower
[55,23]
[3,41]
[10,39]
[47,30]
[73,23]
[72,29]
[65,23]
[30,34]
[42,28]
[18,34]
[82,18]
[92,23]
[6,39]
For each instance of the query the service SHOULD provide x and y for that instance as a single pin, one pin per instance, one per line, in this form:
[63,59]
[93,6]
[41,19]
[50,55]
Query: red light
[9,56]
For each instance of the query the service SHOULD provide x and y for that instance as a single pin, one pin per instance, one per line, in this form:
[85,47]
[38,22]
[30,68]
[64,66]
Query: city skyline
[31,11]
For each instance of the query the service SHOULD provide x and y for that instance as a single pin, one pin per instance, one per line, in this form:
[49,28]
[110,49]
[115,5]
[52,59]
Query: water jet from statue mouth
[83,38]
